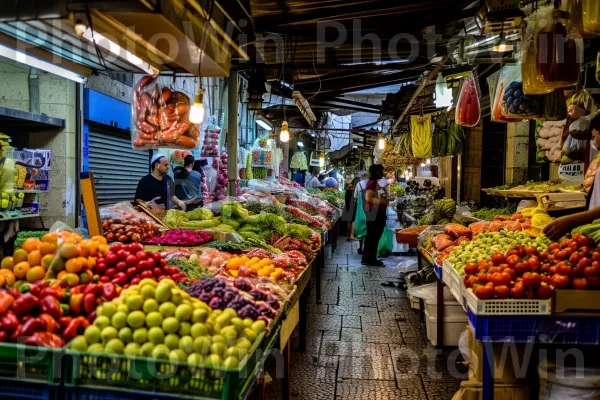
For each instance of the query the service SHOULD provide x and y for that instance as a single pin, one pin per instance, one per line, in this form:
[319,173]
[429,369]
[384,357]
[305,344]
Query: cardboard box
[473,390]
[506,373]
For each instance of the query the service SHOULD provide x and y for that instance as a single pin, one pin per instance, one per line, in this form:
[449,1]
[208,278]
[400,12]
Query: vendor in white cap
[157,188]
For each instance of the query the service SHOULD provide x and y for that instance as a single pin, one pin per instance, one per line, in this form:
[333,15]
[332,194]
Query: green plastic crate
[147,375]
[31,363]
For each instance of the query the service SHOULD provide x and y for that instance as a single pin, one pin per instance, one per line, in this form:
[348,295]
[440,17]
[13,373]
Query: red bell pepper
[25,304]
[50,305]
[25,288]
[6,301]
[14,292]
[36,288]
[51,325]
[61,294]
[76,303]
[45,339]
[89,302]
[30,327]
[94,289]
[65,321]
[75,327]
[109,291]
[9,322]
[92,317]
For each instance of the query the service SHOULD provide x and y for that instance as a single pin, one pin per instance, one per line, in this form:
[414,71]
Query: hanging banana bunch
[420,127]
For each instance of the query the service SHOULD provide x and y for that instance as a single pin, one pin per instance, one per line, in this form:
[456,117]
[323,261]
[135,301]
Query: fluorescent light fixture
[117,50]
[264,125]
[24,58]
[300,144]
[355,147]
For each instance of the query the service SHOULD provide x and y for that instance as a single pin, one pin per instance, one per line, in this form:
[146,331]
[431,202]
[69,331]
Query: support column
[517,152]
[232,131]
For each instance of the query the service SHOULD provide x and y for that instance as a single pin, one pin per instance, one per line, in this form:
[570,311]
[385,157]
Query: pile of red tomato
[525,273]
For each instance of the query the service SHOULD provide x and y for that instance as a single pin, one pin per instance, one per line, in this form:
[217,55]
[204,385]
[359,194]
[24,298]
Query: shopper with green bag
[360,220]
[375,205]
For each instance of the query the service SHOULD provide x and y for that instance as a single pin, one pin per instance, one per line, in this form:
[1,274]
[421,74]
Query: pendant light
[322,160]
[381,141]
[428,161]
[284,135]
[197,110]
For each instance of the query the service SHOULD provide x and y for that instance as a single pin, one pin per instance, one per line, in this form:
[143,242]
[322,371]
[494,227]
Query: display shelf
[2,219]
[30,191]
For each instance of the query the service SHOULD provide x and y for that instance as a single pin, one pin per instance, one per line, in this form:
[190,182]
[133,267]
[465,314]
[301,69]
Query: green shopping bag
[360,220]
[386,243]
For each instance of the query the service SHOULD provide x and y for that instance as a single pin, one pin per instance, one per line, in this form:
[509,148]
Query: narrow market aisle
[364,340]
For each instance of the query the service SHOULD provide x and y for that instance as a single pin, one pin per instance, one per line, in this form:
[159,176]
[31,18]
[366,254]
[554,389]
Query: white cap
[156,157]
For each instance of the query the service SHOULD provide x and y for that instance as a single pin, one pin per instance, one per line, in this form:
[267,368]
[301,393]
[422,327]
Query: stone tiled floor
[364,341]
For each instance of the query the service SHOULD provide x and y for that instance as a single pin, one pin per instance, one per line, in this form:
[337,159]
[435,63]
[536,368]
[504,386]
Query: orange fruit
[21,269]
[36,274]
[47,248]
[68,250]
[57,264]
[70,279]
[2,281]
[84,251]
[103,249]
[50,237]
[91,263]
[7,263]
[47,260]
[73,265]
[83,261]
[34,258]
[100,239]
[8,275]
[31,244]
[19,255]
[61,274]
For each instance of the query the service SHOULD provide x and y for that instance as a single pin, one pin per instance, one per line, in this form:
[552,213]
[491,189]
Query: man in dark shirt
[157,188]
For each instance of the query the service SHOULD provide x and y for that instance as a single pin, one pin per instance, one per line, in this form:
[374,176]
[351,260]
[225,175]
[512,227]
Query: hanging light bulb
[284,135]
[422,164]
[381,142]
[503,45]
[197,110]
[80,28]
[322,160]
[428,161]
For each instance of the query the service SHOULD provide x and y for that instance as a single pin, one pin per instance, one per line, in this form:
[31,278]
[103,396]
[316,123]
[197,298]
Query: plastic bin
[414,302]
[151,377]
[451,309]
[454,282]
[15,389]
[37,364]
[472,389]
[453,327]
[507,306]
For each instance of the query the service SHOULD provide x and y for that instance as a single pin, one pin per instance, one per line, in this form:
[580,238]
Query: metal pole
[232,131]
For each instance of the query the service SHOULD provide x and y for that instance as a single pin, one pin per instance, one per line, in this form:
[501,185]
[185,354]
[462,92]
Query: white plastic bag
[406,266]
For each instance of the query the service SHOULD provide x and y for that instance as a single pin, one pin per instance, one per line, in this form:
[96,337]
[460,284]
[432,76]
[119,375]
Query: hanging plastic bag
[573,150]
[514,104]
[420,128]
[468,110]
[210,147]
[160,118]
[580,129]
[386,243]
[529,53]
[360,220]
[555,106]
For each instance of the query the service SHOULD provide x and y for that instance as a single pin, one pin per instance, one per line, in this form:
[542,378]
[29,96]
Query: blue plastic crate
[438,270]
[13,389]
[542,328]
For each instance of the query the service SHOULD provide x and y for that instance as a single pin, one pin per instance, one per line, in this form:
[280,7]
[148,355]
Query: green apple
[108,310]
[248,322]
[126,334]
[136,319]
[185,328]
[198,329]
[162,292]
[161,351]
[202,345]
[176,296]
[244,343]
[132,349]
[96,348]
[186,343]
[123,308]
[147,291]
[250,334]
[154,319]
[156,335]
[170,325]
[183,312]
[167,309]
[150,305]
[172,341]
[79,343]
[195,359]
[237,352]
[102,321]
[199,315]
[140,336]
[146,349]
[115,345]
[231,362]
[92,334]
[238,323]
[213,360]
[218,348]
[119,320]
[177,355]
[219,339]
[108,333]
[259,326]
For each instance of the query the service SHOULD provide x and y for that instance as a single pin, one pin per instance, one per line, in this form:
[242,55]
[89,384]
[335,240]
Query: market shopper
[360,228]
[350,207]
[375,206]
[190,179]
[563,225]
[330,182]
[157,188]
[313,182]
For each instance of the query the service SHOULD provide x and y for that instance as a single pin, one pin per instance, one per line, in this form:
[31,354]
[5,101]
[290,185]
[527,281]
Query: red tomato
[573,243]
[575,257]
[111,259]
[564,269]
[156,256]
[596,255]
[517,291]
[579,271]
[116,247]
[593,282]
[162,262]
[470,268]
[141,255]
[146,274]
[534,263]
[552,270]
[512,260]
[511,272]
[585,250]
[593,270]
[553,246]
[501,279]
[564,243]
[531,250]
[157,272]
[543,255]
[100,268]
[521,268]
[493,270]
[484,292]
[122,255]
[512,252]
[471,281]
[110,272]
[561,255]
[532,280]
[579,283]
[131,272]
[498,258]
[520,250]
[560,281]
[131,260]
[530,294]
[136,280]
[104,279]
[584,262]
[544,292]
[502,291]
[134,248]
[121,266]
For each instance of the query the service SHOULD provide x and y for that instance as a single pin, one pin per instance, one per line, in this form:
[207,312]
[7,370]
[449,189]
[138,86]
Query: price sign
[571,172]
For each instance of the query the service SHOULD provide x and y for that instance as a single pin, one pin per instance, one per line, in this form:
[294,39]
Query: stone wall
[471,174]
[57,99]
[517,151]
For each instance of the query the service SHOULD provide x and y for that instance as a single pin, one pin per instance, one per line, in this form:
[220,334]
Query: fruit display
[24,235]
[396,155]
[161,321]
[161,117]
[468,110]
[220,192]
[210,148]
[333,197]
[181,237]
[590,230]
[488,214]
[196,219]
[442,209]
[549,139]
[299,161]
[129,264]
[122,223]
[420,128]
[262,267]
[533,272]
[517,104]
[448,137]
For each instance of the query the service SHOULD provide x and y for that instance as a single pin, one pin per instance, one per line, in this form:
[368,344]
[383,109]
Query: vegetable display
[120,222]
[448,137]
[488,214]
[181,237]
[161,118]
[22,236]
[468,110]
